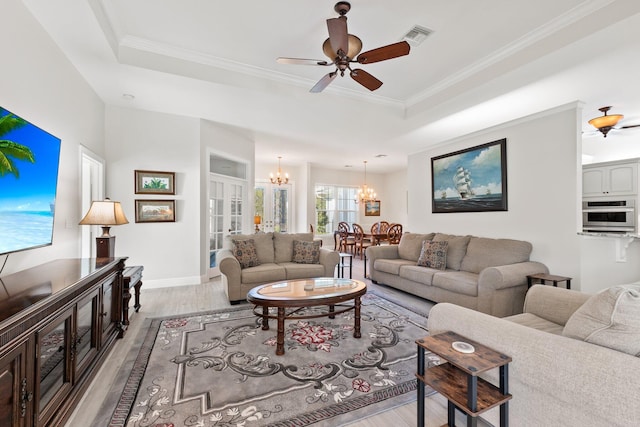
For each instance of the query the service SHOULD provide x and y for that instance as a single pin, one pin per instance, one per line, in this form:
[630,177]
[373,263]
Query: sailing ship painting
[470,180]
[462,182]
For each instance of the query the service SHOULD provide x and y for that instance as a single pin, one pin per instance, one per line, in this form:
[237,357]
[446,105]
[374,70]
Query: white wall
[394,204]
[172,253]
[542,184]
[38,83]
[143,140]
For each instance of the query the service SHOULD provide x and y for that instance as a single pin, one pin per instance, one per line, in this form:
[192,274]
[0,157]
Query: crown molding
[549,28]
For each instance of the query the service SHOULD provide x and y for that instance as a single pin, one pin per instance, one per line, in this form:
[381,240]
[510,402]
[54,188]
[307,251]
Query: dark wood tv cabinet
[58,322]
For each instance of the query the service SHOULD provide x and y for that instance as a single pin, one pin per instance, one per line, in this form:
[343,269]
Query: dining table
[375,238]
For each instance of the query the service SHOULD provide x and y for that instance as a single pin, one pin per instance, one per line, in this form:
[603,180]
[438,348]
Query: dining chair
[315,239]
[375,231]
[394,234]
[345,241]
[361,242]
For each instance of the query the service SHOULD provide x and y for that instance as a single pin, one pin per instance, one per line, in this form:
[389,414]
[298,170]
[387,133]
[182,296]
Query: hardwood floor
[196,298]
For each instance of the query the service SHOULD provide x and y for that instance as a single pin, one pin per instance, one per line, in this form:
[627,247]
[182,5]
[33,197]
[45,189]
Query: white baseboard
[172,282]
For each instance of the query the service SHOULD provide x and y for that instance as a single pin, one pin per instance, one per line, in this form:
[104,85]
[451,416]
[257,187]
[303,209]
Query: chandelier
[278,179]
[365,194]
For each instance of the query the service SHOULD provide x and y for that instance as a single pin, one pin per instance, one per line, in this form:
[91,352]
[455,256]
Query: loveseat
[271,259]
[556,379]
[488,275]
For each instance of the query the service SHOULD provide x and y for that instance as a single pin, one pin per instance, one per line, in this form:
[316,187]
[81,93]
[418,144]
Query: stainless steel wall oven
[618,216]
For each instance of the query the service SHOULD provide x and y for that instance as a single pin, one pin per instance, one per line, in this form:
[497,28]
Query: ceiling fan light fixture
[355,46]
[605,122]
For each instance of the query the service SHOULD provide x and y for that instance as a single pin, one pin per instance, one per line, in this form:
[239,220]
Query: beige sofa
[555,380]
[275,256]
[488,275]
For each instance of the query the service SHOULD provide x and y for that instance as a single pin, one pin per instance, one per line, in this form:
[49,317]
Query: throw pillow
[306,252]
[610,318]
[433,255]
[245,252]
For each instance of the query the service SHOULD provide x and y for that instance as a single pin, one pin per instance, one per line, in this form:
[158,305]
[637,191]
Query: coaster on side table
[462,347]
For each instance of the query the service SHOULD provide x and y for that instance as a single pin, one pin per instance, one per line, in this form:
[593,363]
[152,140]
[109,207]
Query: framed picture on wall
[372,208]
[470,180]
[155,182]
[155,210]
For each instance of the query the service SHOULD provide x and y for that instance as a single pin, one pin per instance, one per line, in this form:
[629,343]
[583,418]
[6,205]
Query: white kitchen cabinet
[619,179]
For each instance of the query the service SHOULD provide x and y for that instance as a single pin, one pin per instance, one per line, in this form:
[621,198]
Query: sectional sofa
[575,355]
[488,275]
[274,260]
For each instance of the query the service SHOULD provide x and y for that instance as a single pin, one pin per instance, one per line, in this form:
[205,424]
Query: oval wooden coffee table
[290,296]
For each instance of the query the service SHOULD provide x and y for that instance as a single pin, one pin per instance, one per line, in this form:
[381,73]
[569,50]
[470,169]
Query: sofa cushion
[417,274]
[483,252]
[245,253]
[295,270]
[264,245]
[264,273]
[433,255]
[532,321]
[283,244]
[610,318]
[306,252]
[456,250]
[411,244]
[391,266]
[460,282]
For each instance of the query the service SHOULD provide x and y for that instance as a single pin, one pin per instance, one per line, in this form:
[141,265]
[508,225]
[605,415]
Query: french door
[227,203]
[274,206]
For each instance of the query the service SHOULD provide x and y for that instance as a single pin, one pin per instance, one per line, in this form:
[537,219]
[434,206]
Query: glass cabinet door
[108,317]
[53,376]
[85,337]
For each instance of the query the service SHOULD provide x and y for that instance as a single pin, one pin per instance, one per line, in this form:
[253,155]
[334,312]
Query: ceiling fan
[342,48]
[606,122]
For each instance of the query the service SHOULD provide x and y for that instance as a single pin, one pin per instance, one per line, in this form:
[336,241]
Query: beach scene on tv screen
[28,176]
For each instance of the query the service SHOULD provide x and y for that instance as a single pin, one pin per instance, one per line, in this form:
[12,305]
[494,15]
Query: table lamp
[105,214]
[257,220]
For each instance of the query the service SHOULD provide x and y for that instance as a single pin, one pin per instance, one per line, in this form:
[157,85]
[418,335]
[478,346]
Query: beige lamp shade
[105,213]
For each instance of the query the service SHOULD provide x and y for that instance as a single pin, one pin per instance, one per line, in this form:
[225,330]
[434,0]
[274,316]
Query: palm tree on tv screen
[10,150]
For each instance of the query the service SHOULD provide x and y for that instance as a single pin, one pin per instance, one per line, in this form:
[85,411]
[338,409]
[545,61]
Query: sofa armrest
[386,251]
[231,273]
[551,377]
[329,259]
[553,304]
[508,276]
[502,289]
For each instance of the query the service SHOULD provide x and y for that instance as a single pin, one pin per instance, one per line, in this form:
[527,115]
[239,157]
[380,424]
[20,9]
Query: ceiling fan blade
[629,126]
[324,82]
[383,53]
[302,61]
[338,34]
[365,79]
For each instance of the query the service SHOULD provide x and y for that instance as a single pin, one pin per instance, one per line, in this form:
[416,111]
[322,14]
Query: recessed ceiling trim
[149,46]
[561,21]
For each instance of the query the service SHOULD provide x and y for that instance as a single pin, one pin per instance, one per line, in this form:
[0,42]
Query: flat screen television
[29,159]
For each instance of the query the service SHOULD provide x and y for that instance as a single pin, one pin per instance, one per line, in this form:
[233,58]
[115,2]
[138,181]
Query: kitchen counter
[609,234]
[623,240]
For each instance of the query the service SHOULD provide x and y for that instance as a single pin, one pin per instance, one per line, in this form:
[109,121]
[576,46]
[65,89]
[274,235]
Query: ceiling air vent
[417,35]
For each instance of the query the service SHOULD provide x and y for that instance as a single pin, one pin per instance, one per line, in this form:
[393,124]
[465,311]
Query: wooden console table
[132,277]
[58,322]
[458,380]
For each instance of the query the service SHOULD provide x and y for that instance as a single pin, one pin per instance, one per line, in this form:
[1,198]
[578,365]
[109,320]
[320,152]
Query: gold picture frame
[155,210]
[372,208]
[155,182]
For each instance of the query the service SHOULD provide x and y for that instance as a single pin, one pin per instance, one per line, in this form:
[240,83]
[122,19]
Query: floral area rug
[220,369]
